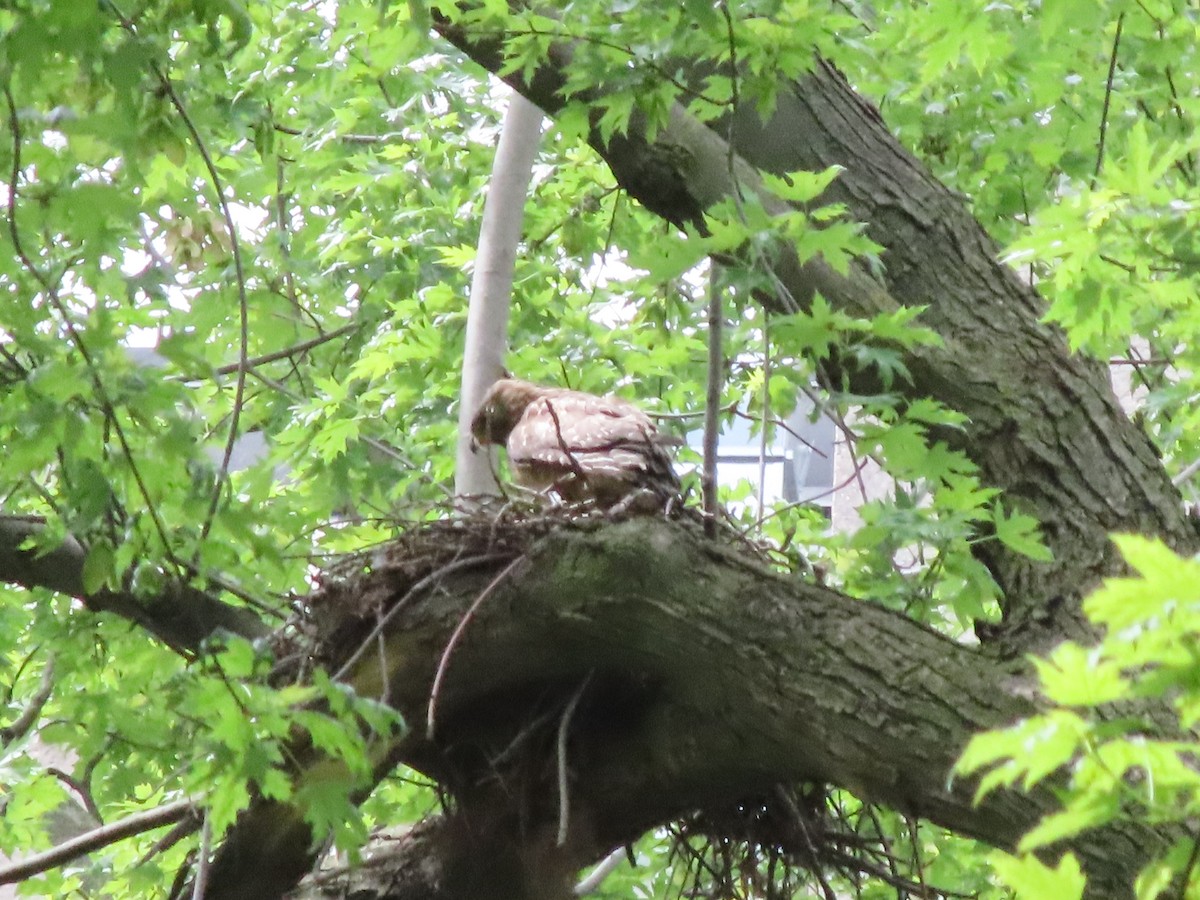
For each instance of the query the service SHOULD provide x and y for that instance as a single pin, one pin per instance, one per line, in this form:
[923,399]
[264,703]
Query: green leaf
[1088,812]
[801,186]
[98,567]
[1019,532]
[1032,879]
[1079,676]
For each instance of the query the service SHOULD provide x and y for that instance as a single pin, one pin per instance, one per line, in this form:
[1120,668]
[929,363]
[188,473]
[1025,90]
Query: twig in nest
[793,809]
[447,569]
[455,637]
[564,802]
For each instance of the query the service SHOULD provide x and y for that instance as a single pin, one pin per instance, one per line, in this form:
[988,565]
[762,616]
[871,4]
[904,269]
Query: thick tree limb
[181,617]
[713,679]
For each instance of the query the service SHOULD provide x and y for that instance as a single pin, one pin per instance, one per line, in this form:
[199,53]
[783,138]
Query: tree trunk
[491,286]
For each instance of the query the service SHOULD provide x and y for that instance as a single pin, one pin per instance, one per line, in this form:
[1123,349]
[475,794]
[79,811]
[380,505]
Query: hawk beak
[474,444]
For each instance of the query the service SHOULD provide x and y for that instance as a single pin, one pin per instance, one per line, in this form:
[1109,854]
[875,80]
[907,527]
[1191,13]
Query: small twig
[384,680]
[387,95]
[1188,471]
[94,840]
[564,793]
[200,885]
[491,461]
[603,869]
[448,569]
[855,475]
[29,715]
[1145,378]
[14,127]
[735,98]
[766,415]
[1152,361]
[1108,90]
[529,730]
[180,831]
[887,877]
[29,657]
[918,864]
[734,410]
[608,237]
[346,138]
[884,841]
[287,352]
[18,367]
[81,790]
[798,817]
[455,637]
[1189,171]
[1186,876]
[281,224]
[851,439]
[156,258]
[712,402]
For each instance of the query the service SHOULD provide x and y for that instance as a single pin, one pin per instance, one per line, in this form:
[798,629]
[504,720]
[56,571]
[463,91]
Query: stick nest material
[354,592]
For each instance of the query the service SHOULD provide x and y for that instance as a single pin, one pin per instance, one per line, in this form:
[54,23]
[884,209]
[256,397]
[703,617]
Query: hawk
[577,445]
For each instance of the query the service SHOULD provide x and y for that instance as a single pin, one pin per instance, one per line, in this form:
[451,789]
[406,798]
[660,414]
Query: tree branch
[699,699]
[29,715]
[181,616]
[286,352]
[94,840]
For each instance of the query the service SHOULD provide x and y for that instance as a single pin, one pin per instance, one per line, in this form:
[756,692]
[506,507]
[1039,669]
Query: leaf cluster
[1108,764]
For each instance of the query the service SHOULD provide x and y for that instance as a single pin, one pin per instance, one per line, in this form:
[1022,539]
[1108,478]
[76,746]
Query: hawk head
[501,409]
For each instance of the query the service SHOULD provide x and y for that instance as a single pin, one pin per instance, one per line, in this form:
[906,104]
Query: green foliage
[1030,877]
[1107,765]
[1090,178]
[225,180]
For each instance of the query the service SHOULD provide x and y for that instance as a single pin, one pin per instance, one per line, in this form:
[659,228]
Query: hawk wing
[582,446]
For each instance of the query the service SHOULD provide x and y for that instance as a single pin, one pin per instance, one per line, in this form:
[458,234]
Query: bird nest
[353,592]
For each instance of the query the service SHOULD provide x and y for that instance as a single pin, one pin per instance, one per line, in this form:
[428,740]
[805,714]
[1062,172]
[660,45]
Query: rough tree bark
[709,679]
